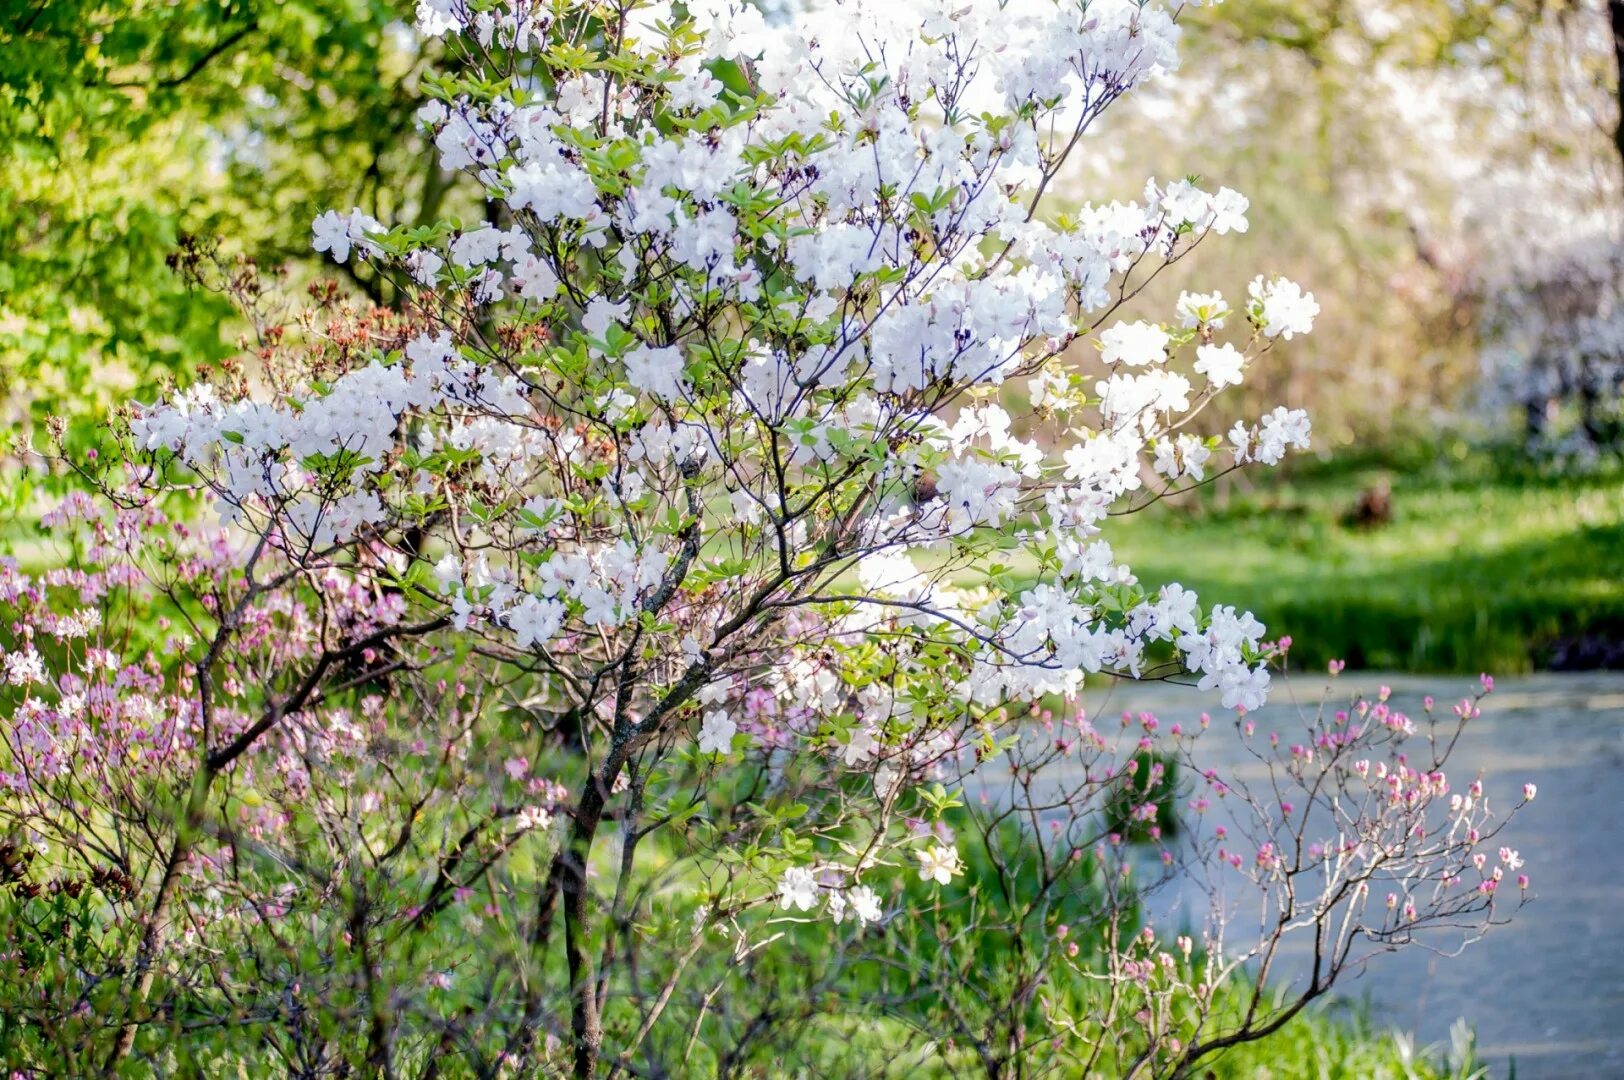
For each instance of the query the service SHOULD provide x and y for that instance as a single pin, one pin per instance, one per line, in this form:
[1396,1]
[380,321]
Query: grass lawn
[1478,569]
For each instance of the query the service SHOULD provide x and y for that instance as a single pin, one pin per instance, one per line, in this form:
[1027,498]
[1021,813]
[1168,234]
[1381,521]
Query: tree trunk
[1615,15]
[585,1025]
[154,932]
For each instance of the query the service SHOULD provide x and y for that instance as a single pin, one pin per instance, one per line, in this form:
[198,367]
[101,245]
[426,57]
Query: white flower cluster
[798,889]
[763,289]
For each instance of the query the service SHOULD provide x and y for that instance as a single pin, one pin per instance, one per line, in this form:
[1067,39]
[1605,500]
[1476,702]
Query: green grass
[1341,1040]
[1477,570]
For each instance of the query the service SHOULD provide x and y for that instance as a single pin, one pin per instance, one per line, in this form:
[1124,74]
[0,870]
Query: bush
[612,659]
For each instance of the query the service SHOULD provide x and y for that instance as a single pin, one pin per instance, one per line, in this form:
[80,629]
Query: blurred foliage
[125,125]
[1373,141]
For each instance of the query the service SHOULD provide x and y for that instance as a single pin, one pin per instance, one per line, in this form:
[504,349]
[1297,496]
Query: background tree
[126,126]
[1416,155]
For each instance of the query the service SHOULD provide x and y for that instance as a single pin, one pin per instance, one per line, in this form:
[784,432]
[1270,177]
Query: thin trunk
[153,934]
[586,1026]
[1615,15]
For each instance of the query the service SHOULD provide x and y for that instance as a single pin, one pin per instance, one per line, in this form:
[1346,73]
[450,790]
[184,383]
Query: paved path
[1547,990]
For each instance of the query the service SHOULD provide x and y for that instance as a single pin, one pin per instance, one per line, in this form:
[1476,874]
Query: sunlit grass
[1473,572]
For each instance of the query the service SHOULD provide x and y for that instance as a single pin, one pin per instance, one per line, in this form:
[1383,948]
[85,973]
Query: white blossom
[939,863]
[797,889]
[716,733]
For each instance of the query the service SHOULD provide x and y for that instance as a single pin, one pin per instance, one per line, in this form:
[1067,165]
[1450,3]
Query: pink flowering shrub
[201,763]
[1342,837]
[633,654]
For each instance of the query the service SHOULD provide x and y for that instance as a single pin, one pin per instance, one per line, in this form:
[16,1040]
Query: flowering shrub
[653,599]
[1347,839]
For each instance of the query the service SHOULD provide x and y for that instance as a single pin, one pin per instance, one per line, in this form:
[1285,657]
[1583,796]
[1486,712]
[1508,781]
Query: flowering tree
[1544,251]
[1555,339]
[602,664]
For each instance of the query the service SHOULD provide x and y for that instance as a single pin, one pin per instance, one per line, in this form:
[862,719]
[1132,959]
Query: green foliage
[58,930]
[1338,1040]
[128,124]
[815,1003]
